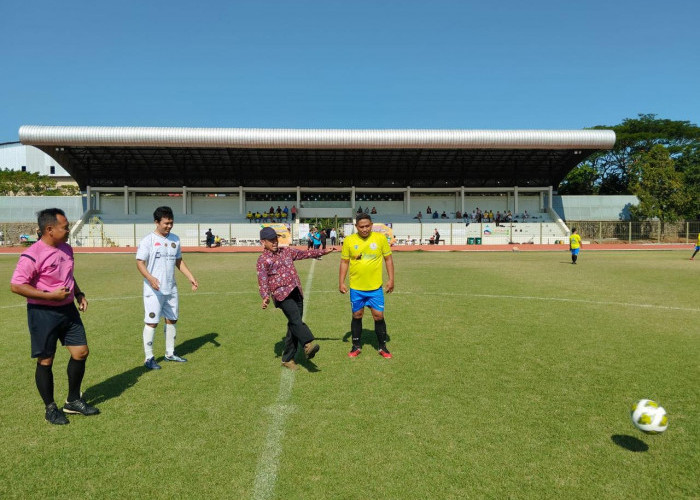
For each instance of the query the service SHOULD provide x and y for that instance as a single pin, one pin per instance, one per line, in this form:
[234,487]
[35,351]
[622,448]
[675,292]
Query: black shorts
[48,325]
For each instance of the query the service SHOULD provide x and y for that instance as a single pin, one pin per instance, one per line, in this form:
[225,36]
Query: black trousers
[297,331]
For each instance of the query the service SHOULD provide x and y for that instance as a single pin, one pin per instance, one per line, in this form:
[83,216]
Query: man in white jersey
[158,255]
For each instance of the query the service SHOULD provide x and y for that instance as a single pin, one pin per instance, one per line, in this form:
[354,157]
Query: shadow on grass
[629,443]
[279,346]
[369,337]
[115,386]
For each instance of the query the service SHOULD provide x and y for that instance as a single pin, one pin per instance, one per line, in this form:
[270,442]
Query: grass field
[512,377]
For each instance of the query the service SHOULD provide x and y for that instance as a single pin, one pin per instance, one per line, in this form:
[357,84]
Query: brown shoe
[310,349]
[290,364]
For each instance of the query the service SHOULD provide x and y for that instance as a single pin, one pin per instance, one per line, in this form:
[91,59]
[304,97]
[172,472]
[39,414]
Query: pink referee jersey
[46,268]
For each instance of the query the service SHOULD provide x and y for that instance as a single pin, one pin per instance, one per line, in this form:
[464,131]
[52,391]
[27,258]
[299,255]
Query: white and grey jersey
[160,253]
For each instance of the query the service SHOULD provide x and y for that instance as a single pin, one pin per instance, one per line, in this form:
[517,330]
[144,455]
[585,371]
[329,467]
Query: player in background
[158,255]
[574,245]
[362,254]
[44,275]
[697,248]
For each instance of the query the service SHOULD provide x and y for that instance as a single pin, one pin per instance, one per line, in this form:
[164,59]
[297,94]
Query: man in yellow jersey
[697,248]
[574,245]
[362,254]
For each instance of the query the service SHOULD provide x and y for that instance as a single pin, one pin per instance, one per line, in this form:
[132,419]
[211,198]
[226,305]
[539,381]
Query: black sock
[356,329]
[694,253]
[573,258]
[380,330]
[44,382]
[76,371]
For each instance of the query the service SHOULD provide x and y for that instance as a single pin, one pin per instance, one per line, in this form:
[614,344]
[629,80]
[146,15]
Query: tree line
[18,183]
[656,159]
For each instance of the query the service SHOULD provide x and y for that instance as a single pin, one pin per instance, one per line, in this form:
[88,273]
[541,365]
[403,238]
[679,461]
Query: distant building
[16,156]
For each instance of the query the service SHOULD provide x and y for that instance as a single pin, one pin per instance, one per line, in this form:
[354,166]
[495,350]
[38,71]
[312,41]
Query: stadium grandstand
[215,178]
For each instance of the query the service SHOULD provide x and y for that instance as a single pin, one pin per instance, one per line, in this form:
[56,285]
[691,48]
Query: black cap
[267,233]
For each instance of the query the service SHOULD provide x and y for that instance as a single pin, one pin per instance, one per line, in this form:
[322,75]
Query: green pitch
[513,376]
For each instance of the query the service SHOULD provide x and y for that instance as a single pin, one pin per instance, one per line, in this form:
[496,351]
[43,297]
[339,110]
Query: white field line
[446,294]
[268,465]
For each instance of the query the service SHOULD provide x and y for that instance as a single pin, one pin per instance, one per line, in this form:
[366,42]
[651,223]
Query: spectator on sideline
[44,276]
[334,236]
[278,281]
[436,236]
[209,238]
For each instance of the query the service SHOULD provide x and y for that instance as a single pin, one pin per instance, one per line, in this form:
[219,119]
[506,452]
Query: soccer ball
[649,417]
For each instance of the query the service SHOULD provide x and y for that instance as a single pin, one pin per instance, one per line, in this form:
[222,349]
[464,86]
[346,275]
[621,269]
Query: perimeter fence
[637,232]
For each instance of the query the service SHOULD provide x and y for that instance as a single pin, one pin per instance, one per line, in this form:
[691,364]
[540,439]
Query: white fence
[455,233]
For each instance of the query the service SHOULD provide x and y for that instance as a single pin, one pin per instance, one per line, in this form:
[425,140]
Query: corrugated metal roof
[38,135]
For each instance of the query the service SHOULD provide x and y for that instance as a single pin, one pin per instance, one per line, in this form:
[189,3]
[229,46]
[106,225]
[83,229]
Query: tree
[583,179]
[657,184]
[17,183]
[639,135]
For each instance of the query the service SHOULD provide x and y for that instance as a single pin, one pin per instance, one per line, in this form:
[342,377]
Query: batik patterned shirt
[277,276]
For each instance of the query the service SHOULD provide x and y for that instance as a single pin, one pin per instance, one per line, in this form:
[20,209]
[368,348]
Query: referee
[44,275]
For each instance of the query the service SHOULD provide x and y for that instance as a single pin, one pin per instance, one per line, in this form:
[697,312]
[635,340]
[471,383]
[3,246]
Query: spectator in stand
[359,209]
[249,216]
[458,215]
[491,215]
[478,215]
[509,216]
[444,215]
[473,216]
[285,212]
[294,212]
[428,210]
[498,217]
[526,215]
[373,211]
[436,214]
[419,216]
[258,217]
[271,210]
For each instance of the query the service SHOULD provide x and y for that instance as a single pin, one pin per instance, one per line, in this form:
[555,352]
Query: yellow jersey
[575,241]
[366,257]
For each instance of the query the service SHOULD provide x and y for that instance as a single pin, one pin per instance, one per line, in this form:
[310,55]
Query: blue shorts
[574,251]
[372,298]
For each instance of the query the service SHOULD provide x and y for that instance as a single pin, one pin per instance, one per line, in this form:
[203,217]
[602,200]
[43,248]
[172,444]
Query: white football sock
[148,334]
[169,339]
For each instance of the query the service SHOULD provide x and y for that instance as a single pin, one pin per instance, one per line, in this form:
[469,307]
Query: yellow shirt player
[574,245]
[362,254]
[697,248]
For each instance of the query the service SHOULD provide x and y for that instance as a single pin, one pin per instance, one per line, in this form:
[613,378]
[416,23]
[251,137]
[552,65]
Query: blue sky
[347,64]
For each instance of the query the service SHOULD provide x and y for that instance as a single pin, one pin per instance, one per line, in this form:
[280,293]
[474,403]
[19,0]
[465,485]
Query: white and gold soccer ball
[649,417]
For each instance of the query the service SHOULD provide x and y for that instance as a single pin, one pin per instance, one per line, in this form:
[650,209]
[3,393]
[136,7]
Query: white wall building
[16,156]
